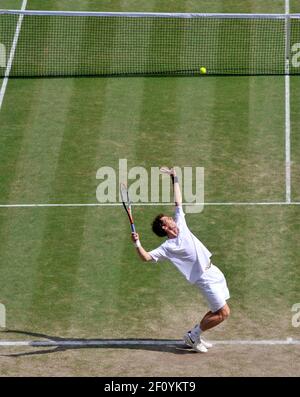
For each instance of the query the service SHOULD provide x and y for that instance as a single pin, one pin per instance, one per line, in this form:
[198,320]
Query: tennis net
[114,44]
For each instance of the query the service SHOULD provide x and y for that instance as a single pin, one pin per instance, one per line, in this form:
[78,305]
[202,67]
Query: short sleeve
[158,254]
[179,216]
[179,212]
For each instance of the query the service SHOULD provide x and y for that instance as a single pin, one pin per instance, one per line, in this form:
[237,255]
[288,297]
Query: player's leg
[195,342]
[193,337]
[216,294]
[207,315]
[214,288]
[196,335]
[212,319]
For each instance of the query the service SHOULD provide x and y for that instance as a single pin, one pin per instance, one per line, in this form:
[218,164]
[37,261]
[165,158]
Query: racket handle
[132,228]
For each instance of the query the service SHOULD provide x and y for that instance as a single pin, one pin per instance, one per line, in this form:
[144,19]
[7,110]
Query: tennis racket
[127,205]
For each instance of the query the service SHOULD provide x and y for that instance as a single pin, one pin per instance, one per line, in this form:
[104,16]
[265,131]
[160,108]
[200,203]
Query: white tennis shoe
[196,344]
[208,345]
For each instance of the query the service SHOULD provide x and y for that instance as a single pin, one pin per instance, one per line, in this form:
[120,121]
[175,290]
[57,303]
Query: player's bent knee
[224,312]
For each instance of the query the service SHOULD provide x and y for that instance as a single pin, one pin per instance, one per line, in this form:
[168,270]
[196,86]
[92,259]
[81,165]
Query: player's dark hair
[157,225]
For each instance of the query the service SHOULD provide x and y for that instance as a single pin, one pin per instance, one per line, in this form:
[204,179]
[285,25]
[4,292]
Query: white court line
[208,204]
[287,107]
[12,54]
[143,342]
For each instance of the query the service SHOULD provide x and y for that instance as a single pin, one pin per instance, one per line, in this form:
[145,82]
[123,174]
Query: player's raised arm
[177,192]
[143,254]
[176,187]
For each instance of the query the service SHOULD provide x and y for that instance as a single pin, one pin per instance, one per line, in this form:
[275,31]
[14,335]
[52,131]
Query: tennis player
[193,260]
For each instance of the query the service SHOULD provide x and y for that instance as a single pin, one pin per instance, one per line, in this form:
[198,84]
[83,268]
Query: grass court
[72,273]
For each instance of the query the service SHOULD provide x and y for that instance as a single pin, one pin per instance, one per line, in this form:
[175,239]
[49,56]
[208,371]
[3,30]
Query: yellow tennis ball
[203,70]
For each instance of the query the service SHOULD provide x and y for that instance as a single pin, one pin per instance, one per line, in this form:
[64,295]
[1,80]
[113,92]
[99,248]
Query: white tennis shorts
[214,288]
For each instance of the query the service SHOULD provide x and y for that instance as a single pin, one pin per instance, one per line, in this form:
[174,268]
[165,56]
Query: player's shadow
[158,345]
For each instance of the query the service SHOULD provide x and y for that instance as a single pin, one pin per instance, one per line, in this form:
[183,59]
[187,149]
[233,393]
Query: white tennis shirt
[185,251]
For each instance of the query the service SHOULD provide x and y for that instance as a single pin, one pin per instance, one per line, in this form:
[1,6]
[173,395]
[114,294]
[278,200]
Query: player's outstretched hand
[168,171]
[135,237]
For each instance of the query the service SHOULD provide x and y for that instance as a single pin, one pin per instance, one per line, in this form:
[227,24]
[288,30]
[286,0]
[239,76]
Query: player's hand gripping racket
[127,205]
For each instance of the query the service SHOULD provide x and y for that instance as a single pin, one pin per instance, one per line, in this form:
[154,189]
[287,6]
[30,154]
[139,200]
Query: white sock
[196,331]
